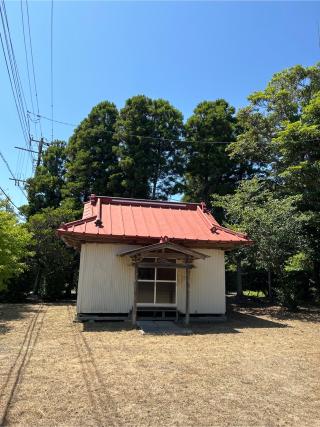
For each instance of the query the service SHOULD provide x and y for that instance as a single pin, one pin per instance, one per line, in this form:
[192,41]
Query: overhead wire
[51,71]
[13,63]
[33,68]
[17,89]
[12,78]
[10,200]
[158,138]
[10,171]
[26,57]
[131,134]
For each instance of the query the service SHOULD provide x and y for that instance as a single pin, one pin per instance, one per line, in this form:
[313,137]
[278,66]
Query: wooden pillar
[269,284]
[239,278]
[135,295]
[187,316]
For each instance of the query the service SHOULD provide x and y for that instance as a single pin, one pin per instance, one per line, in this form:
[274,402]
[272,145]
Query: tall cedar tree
[209,169]
[150,156]
[91,160]
[44,189]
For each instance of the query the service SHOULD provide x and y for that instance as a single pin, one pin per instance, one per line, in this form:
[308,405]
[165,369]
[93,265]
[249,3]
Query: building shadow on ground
[263,307]
[234,324]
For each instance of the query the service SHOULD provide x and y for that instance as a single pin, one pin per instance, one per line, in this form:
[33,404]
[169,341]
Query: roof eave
[83,237]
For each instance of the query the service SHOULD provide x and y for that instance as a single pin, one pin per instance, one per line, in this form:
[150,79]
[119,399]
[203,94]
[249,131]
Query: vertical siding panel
[207,285]
[81,280]
[105,280]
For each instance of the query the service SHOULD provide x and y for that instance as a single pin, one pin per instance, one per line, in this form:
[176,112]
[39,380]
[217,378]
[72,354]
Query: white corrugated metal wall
[207,285]
[106,281]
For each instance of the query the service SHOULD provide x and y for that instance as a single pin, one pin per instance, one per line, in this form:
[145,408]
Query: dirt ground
[260,368]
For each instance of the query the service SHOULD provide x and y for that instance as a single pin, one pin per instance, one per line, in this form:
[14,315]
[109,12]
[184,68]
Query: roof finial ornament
[203,206]
[213,229]
[93,199]
[164,239]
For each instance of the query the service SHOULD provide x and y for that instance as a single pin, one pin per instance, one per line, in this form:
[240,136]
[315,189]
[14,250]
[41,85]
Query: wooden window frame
[155,281]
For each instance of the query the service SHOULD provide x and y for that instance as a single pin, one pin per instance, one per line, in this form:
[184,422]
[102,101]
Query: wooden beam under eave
[162,265]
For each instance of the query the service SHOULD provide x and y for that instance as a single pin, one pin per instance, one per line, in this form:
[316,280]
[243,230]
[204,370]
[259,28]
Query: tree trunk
[269,285]
[37,282]
[239,278]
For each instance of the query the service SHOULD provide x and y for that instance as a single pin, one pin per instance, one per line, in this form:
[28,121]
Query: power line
[9,199]
[51,70]
[16,86]
[12,60]
[159,138]
[14,77]
[7,164]
[13,91]
[13,73]
[133,135]
[32,62]
[26,54]
[55,121]
[11,173]
[19,86]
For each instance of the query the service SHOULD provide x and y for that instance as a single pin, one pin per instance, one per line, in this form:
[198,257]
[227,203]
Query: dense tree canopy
[283,101]
[14,242]
[44,189]
[209,168]
[149,150]
[272,222]
[91,159]
[280,139]
[54,264]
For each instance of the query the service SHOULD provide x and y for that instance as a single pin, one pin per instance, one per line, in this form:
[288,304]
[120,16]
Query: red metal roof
[137,221]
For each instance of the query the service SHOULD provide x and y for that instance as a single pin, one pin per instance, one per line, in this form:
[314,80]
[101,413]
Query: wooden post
[269,284]
[239,278]
[135,295]
[187,316]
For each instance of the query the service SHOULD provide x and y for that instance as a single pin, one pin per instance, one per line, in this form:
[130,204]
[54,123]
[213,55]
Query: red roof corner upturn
[137,221]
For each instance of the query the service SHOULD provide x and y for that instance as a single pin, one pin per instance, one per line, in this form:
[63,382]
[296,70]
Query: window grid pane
[165,293]
[146,292]
[166,274]
[157,285]
[146,273]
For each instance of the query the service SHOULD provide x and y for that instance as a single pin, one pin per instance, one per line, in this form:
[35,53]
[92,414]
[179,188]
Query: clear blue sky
[181,51]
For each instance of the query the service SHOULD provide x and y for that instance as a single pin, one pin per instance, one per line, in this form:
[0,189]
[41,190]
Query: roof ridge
[64,225]
[143,202]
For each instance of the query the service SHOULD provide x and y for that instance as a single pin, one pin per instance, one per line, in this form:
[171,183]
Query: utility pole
[41,143]
[40,151]
[17,181]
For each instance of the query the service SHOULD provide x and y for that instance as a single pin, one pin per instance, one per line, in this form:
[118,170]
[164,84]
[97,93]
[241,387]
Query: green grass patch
[257,294]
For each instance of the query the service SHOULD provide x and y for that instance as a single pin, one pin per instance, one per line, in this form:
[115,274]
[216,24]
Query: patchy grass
[260,368]
[257,294]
